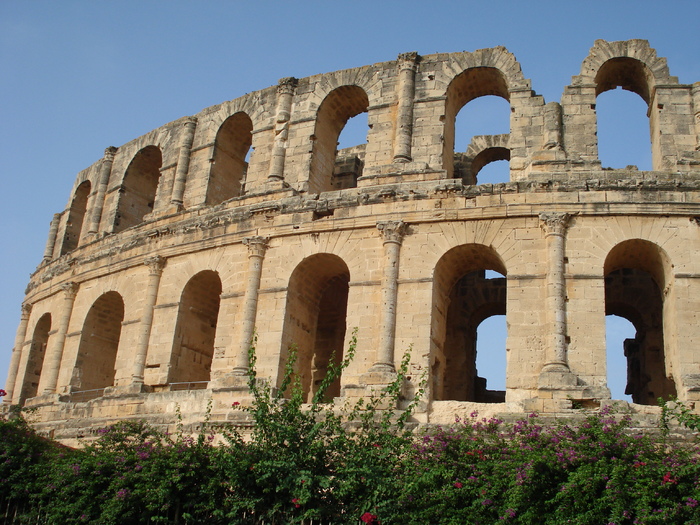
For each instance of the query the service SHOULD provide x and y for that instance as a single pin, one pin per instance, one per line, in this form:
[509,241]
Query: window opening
[623,130]
[35,363]
[619,335]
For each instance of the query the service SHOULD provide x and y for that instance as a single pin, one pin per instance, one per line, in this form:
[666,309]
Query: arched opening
[76,217]
[619,333]
[138,191]
[230,163]
[634,279]
[480,117]
[622,123]
[35,361]
[623,130]
[315,319]
[350,154]
[467,290]
[99,341]
[195,331]
[337,108]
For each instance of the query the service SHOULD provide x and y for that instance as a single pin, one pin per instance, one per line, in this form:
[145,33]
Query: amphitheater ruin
[179,246]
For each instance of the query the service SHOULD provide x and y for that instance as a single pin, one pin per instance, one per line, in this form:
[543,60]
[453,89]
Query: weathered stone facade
[174,250]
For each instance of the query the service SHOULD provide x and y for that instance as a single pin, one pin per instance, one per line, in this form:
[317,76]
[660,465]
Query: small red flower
[295,501]
[668,478]
[2,392]
[235,404]
[368,517]
[458,485]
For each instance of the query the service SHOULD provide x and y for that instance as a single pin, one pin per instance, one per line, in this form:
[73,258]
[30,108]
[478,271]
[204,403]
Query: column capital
[392,231]
[26,310]
[190,121]
[70,289]
[155,264]
[554,223]
[408,60]
[257,245]
[109,153]
[287,85]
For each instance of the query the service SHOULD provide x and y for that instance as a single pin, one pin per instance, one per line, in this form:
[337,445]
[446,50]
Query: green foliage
[357,464]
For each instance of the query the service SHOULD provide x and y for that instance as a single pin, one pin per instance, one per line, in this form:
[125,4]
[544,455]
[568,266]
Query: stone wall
[179,246]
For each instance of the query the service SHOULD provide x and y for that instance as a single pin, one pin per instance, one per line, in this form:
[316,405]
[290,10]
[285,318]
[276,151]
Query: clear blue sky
[76,77]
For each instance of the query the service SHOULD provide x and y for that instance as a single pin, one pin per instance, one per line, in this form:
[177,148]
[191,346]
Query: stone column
[183,161]
[285,94]
[407,63]
[55,355]
[10,386]
[51,241]
[552,126]
[696,111]
[105,171]
[155,265]
[256,253]
[555,372]
[392,233]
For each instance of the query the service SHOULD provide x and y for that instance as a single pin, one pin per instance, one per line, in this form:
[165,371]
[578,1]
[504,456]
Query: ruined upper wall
[283,139]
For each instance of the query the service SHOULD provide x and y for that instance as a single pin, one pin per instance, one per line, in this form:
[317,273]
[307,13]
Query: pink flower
[2,392]
[668,478]
[235,404]
[458,485]
[295,501]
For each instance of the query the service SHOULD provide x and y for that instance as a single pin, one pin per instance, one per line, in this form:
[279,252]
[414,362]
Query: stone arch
[35,359]
[99,342]
[315,319]
[634,66]
[482,150]
[465,87]
[341,104]
[636,278]
[462,299]
[137,193]
[229,166]
[76,217]
[195,330]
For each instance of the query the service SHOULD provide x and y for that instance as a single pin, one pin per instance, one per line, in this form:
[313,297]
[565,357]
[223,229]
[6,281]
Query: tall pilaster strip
[554,226]
[155,264]
[256,253]
[55,355]
[183,161]
[696,112]
[105,171]
[20,336]
[392,235]
[51,241]
[285,95]
[407,63]
[553,126]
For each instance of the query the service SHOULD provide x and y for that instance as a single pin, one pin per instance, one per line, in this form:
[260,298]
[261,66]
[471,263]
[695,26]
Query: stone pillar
[105,171]
[183,161]
[285,94]
[51,241]
[55,355]
[256,253]
[407,63]
[696,111]
[155,265]
[552,126]
[10,385]
[392,233]
[555,373]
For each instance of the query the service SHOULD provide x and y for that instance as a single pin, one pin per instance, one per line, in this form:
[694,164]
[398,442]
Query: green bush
[357,465]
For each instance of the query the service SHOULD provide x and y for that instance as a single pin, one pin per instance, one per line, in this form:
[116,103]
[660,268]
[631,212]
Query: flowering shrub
[360,465]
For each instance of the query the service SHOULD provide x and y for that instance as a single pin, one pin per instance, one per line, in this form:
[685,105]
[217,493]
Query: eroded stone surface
[175,245]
